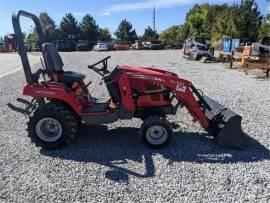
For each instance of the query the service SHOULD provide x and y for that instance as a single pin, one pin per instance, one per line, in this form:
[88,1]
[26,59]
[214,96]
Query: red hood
[142,70]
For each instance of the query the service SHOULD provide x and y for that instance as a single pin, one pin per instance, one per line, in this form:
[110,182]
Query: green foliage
[250,19]
[218,21]
[32,39]
[89,29]
[125,33]
[196,19]
[48,26]
[174,33]
[104,35]
[170,35]
[183,32]
[224,25]
[69,28]
[149,34]
[265,27]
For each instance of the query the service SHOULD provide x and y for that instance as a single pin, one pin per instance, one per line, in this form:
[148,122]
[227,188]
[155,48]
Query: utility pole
[231,44]
[154,18]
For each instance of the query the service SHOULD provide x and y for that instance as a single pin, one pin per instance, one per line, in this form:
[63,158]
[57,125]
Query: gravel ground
[110,163]
[10,63]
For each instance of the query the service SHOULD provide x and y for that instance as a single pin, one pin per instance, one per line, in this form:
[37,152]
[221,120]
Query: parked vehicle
[153,45]
[137,46]
[2,46]
[175,45]
[245,42]
[101,47]
[262,46]
[196,48]
[83,45]
[118,47]
[146,45]
[156,45]
[10,42]
[65,45]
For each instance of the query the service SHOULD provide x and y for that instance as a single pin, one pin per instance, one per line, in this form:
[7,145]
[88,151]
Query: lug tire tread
[65,117]
[155,120]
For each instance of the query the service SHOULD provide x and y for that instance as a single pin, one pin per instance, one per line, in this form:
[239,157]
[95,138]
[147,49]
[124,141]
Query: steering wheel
[101,71]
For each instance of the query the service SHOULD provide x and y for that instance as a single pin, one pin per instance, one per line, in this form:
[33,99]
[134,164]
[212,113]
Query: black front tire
[58,114]
[156,131]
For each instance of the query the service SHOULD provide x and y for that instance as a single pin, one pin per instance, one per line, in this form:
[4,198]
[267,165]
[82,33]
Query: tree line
[70,29]
[213,22]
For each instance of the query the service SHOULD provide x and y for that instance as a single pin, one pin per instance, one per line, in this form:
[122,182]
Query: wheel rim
[49,129]
[156,135]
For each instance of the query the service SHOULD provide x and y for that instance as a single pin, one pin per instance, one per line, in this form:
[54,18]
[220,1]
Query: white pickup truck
[101,47]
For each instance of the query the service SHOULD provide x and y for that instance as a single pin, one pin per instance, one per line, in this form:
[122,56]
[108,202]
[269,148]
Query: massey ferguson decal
[44,92]
[146,77]
[180,87]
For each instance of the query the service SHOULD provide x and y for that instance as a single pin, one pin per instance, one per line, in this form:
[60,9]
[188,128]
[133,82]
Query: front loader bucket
[225,125]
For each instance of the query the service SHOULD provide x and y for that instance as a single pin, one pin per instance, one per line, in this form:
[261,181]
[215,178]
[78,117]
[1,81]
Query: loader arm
[215,118]
[163,72]
[182,91]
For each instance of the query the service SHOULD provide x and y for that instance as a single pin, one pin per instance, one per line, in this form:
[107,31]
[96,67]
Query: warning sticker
[181,87]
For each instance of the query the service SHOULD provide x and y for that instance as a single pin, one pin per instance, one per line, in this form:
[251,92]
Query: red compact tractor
[61,100]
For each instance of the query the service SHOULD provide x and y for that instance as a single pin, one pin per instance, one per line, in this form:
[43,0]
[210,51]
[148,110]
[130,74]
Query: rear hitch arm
[30,106]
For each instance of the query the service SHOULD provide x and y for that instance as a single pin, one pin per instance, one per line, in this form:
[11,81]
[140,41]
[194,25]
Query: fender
[53,92]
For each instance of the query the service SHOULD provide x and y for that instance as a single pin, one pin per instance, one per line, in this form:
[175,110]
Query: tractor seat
[54,65]
[69,77]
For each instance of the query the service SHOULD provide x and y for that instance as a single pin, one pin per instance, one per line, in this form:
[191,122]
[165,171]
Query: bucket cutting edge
[224,125]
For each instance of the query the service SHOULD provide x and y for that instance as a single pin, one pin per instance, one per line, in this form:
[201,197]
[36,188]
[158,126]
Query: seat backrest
[52,59]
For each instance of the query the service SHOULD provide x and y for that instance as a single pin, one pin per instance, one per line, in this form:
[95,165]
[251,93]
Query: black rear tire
[59,118]
[156,131]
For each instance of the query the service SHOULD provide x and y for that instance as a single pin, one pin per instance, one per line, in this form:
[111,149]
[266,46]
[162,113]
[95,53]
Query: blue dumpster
[230,44]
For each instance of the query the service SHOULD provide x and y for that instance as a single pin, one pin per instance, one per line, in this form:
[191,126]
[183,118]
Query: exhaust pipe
[224,124]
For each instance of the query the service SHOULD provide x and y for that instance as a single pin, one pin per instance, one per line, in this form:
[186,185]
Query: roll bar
[20,42]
